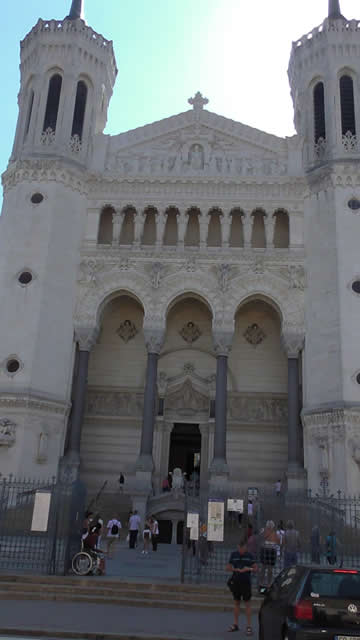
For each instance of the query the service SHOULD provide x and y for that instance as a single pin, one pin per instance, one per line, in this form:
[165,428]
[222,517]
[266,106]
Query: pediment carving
[197,144]
[187,401]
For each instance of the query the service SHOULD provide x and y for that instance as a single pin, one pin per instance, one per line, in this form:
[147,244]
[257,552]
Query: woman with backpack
[113,532]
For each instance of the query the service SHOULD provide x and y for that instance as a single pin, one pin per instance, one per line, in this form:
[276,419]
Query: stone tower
[67,76]
[324,76]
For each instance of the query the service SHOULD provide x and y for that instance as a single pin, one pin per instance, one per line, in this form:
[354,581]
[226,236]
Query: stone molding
[339,418]
[33,403]
[43,171]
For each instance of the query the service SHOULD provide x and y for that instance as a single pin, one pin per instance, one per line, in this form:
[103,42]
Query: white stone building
[204,277]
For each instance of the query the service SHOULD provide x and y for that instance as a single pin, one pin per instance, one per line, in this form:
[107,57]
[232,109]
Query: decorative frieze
[7,432]
[32,403]
[115,403]
[257,409]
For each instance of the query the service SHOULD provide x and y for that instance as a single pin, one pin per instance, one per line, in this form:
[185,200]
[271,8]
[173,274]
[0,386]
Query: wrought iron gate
[40,524]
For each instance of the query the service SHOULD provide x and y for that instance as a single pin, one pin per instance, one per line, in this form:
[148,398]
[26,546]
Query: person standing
[242,564]
[134,526]
[146,538]
[331,554]
[121,482]
[291,544]
[278,488]
[315,543]
[113,532]
[268,555]
[154,526]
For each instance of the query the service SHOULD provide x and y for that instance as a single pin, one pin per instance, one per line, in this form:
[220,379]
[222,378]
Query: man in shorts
[241,564]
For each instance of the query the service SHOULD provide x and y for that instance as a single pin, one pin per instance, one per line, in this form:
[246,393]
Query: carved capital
[86,337]
[154,339]
[292,341]
[222,342]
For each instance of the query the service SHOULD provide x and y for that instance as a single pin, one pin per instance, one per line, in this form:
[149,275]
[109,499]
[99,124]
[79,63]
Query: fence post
[183,557]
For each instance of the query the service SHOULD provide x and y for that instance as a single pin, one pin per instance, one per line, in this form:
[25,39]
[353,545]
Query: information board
[235,504]
[215,529]
[41,511]
[192,523]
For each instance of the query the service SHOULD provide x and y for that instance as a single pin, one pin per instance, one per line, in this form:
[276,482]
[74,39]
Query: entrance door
[185,448]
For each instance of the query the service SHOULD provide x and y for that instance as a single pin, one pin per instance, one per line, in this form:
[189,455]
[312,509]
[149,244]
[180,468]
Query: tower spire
[77,10]
[334,10]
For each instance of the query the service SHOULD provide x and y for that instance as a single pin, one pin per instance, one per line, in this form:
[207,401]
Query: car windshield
[334,584]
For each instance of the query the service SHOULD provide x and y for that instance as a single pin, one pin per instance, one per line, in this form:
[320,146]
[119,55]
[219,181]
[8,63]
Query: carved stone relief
[186,400]
[42,447]
[190,332]
[156,274]
[115,403]
[257,409]
[297,277]
[254,335]
[127,330]
[7,432]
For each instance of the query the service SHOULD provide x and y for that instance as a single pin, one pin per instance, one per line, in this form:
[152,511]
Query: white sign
[215,529]
[193,524]
[41,511]
[234,504]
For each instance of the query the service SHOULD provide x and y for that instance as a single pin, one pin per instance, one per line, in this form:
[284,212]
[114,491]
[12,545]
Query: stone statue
[42,447]
[196,157]
[177,479]
[7,432]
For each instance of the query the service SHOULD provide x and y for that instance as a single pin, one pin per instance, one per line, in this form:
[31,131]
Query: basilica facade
[184,295]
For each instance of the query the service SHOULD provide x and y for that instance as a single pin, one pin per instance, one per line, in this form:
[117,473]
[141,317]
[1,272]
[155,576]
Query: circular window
[36,198]
[356,286]
[354,204]
[358,378]
[25,278]
[12,365]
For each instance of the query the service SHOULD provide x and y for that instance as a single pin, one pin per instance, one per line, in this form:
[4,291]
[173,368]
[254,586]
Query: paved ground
[131,563]
[164,623]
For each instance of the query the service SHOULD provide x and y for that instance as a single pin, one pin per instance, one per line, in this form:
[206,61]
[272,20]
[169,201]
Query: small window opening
[37,198]
[319,112]
[25,278]
[347,105]
[354,204]
[29,113]
[79,110]
[53,101]
[356,286]
[12,366]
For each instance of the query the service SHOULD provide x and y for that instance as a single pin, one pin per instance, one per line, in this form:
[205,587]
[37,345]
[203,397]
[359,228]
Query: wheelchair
[88,562]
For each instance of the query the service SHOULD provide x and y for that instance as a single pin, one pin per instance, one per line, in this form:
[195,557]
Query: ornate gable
[196,143]
[186,401]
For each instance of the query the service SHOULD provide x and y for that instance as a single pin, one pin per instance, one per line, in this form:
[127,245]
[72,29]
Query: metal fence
[40,524]
[328,526]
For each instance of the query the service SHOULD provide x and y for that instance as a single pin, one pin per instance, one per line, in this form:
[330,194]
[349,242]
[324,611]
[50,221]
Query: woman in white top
[154,526]
[146,538]
[113,532]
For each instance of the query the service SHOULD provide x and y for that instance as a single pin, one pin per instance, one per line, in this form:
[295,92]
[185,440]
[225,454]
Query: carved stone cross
[198,102]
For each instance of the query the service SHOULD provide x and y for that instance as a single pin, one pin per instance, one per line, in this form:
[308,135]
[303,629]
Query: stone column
[296,477]
[117,220]
[269,222]
[222,344]
[204,229]
[204,456]
[160,228]
[167,428]
[182,221]
[174,531]
[154,340]
[139,220]
[86,338]
[225,221]
[248,223]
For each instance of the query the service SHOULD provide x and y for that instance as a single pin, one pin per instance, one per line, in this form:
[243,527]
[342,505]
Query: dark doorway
[180,532]
[165,531]
[185,447]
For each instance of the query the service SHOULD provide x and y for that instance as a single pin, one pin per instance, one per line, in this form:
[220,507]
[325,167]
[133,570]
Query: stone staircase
[107,591]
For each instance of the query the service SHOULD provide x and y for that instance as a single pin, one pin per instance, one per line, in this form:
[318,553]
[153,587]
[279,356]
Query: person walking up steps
[154,526]
[113,532]
[146,538]
[242,564]
[134,526]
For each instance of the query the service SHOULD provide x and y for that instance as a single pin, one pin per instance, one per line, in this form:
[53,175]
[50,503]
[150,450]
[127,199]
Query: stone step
[129,601]
[30,632]
[141,593]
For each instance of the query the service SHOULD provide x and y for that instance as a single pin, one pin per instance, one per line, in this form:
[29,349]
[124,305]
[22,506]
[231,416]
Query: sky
[235,52]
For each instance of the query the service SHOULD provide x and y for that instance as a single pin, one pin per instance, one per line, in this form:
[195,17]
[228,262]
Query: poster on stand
[235,504]
[215,529]
[192,523]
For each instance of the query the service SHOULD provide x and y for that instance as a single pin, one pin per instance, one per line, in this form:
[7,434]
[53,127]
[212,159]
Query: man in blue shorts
[241,564]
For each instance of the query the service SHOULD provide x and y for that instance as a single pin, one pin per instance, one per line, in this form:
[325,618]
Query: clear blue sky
[235,51]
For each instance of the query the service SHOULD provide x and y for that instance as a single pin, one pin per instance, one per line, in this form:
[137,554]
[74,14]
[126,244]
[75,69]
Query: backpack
[114,530]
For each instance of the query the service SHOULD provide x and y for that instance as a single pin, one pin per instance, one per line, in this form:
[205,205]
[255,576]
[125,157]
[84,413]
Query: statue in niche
[177,480]
[156,274]
[42,447]
[190,332]
[127,330]
[196,157]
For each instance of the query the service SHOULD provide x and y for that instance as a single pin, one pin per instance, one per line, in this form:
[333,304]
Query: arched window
[237,231]
[319,112]
[170,233]
[29,113]
[105,234]
[347,105]
[258,240]
[149,233]
[53,101]
[79,110]
[214,233]
[281,230]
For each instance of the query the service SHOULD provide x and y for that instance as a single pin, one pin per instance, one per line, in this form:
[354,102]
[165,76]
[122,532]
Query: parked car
[308,603]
